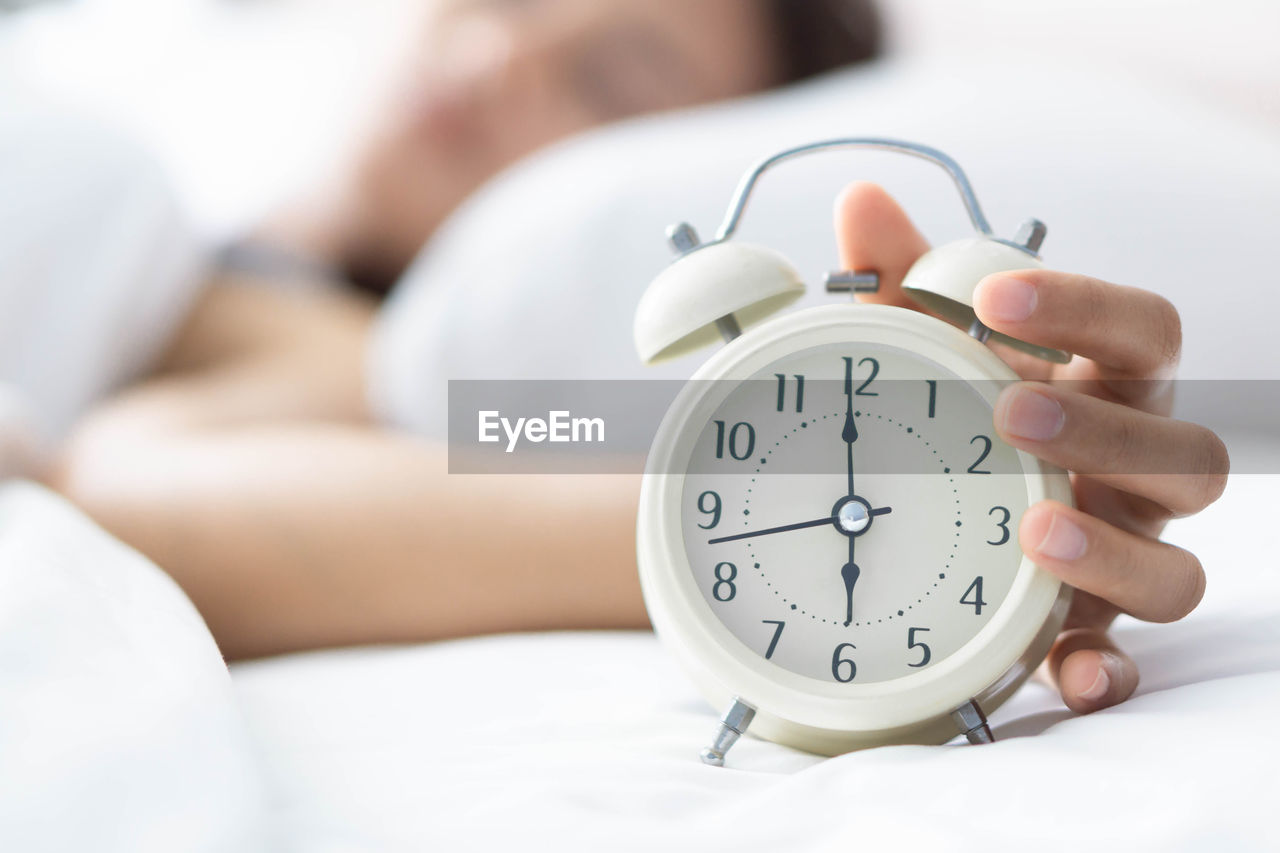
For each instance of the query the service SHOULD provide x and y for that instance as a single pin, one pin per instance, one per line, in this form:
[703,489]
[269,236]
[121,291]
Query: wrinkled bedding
[121,731]
[590,742]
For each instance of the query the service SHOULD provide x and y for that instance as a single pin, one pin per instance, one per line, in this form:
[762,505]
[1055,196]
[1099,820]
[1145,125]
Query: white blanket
[97,265]
[590,742]
[118,732]
[118,727]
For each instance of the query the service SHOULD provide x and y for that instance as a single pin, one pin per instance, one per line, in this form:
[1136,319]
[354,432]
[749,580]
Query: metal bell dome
[729,281]
[943,280]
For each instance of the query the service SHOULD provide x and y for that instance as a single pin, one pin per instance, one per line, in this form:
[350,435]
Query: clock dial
[850,515]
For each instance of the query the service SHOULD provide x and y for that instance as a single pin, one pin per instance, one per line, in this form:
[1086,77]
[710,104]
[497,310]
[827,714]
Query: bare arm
[297,536]
[246,469]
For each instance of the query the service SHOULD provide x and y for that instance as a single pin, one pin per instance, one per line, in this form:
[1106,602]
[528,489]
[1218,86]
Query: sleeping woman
[249,467]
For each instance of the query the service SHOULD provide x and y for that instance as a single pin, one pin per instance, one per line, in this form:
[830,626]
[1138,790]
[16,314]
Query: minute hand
[783,529]
[818,522]
[850,432]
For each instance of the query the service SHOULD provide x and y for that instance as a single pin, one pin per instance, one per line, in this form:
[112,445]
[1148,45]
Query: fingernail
[1064,540]
[1030,414]
[1009,299]
[1102,682]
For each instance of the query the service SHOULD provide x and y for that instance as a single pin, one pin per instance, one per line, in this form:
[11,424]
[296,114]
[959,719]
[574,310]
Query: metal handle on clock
[740,198]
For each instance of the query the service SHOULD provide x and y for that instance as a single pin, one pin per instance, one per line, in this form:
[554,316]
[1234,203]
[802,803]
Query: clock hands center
[850,516]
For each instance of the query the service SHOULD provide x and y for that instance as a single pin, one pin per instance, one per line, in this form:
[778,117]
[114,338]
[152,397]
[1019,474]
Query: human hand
[1105,413]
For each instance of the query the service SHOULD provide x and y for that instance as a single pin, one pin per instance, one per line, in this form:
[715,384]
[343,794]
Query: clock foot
[734,722]
[973,723]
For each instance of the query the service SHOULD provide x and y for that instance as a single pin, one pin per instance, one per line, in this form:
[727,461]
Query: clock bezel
[720,662]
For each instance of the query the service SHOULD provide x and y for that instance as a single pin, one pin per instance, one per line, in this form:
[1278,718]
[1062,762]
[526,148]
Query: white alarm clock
[827,535]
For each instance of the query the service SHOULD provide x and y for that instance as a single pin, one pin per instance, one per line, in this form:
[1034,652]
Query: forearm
[293,537]
[252,351]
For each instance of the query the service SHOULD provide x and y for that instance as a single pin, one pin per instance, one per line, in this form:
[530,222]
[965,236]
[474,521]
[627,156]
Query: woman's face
[493,80]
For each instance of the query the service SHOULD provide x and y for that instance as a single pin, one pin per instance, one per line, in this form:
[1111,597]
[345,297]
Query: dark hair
[816,36]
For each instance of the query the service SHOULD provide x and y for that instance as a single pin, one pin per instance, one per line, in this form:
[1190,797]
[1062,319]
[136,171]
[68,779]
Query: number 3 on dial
[1003,524]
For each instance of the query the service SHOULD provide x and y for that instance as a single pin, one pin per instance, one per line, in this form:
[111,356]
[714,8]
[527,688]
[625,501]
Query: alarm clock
[827,533]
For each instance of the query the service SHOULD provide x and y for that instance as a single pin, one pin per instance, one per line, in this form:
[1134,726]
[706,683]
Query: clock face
[849,514]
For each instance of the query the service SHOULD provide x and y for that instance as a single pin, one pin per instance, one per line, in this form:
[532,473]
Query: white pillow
[118,725]
[538,276]
[97,265]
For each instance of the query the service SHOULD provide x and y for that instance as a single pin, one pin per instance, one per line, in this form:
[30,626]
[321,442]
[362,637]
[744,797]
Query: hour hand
[850,573]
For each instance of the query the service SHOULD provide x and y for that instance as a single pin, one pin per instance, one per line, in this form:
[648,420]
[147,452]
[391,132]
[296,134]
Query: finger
[874,233]
[1132,334]
[1179,465]
[1150,580]
[1091,673]
[1139,516]
[1024,364]
[1089,611]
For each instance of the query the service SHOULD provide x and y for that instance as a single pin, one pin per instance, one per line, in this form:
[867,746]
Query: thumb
[873,233]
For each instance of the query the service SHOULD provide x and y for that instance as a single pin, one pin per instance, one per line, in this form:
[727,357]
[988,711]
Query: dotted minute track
[954,491]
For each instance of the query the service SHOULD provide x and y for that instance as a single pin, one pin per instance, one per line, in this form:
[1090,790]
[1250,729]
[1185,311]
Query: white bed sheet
[119,730]
[589,741]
